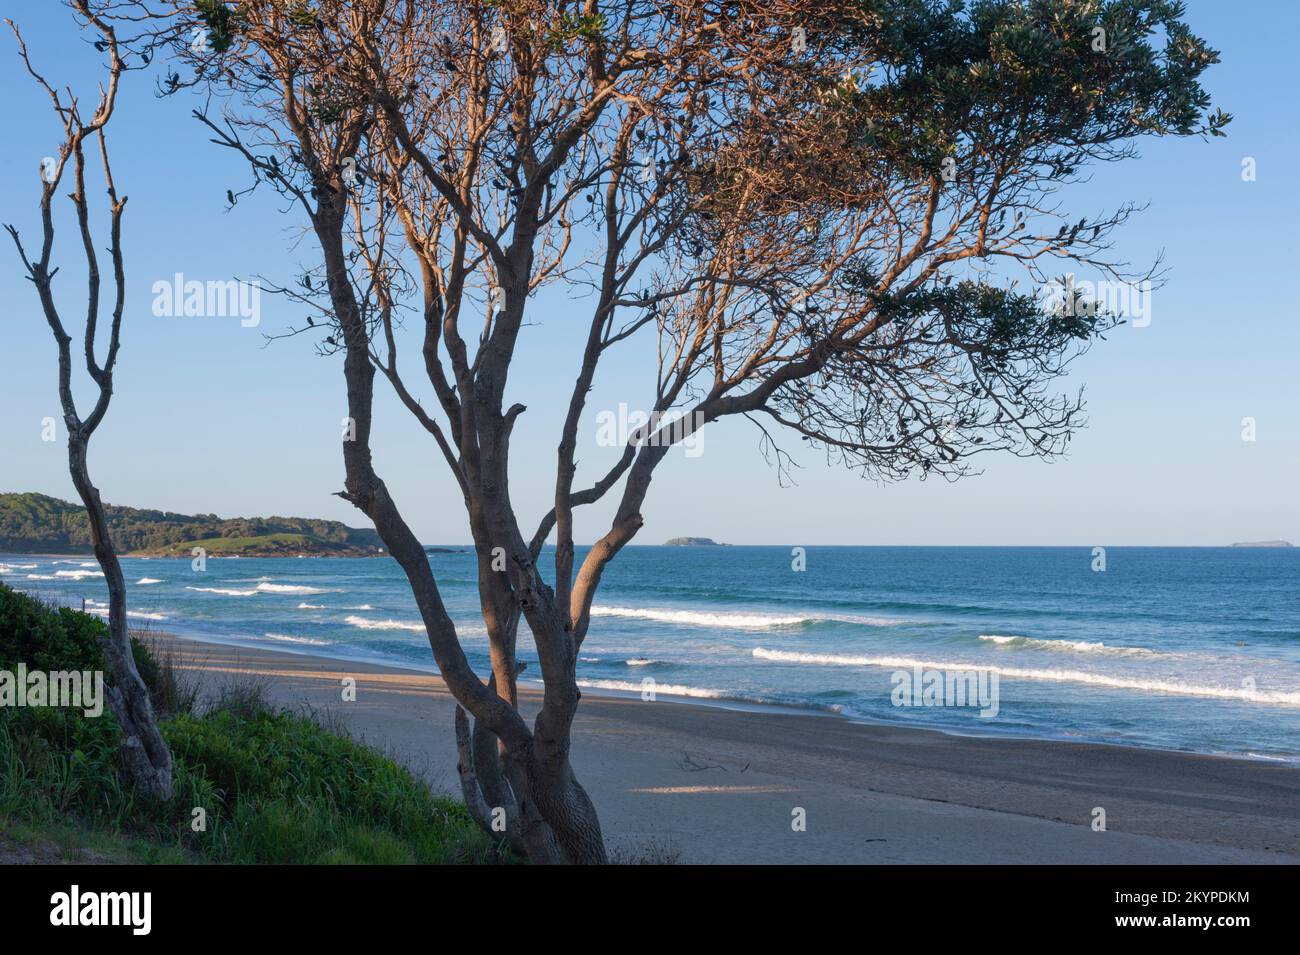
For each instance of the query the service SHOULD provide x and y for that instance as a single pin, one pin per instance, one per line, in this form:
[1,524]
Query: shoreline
[719,783]
[737,704]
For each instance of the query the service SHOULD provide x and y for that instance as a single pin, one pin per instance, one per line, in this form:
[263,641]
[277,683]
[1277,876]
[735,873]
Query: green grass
[60,842]
[274,787]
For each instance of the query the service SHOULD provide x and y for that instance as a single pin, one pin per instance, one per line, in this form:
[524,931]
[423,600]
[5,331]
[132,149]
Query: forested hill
[38,524]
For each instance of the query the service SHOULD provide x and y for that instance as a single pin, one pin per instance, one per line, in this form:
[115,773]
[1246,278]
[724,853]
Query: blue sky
[208,417]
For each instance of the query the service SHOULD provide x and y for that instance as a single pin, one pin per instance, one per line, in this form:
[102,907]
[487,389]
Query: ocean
[1193,649]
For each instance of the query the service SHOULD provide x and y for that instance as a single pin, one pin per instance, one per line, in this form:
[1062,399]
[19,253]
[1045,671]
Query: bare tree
[145,754]
[804,210]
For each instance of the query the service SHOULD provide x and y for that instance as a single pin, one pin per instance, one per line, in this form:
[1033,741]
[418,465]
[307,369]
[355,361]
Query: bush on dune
[291,792]
[275,787]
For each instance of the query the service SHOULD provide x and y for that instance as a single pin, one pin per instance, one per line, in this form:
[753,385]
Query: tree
[810,206]
[145,755]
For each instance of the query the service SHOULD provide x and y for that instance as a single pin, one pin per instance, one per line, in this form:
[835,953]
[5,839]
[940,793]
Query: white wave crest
[78,574]
[1069,646]
[286,638]
[414,626]
[667,689]
[137,614]
[732,620]
[147,580]
[1140,684]
[366,624]
[228,591]
[292,589]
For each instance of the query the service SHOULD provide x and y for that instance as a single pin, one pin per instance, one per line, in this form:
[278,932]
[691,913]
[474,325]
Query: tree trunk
[145,753]
[554,820]
[567,809]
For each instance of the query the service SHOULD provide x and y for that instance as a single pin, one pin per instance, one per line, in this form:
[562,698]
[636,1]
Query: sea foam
[366,624]
[733,620]
[1141,684]
[1068,646]
[134,614]
[286,638]
[668,689]
[292,589]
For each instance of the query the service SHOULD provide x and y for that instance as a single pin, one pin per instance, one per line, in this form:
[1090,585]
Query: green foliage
[300,12]
[68,842]
[47,638]
[276,787]
[59,638]
[223,23]
[331,102]
[588,27]
[267,545]
[284,790]
[54,759]
[36,523]
[1055,80]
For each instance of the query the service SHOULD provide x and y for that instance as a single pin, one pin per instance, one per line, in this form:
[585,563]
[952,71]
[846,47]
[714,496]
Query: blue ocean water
[1180,648]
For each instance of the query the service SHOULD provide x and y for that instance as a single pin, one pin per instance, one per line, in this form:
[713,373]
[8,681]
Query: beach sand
[707,784]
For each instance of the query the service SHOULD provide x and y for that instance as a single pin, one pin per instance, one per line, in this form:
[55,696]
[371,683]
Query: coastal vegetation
[273,786]
[36,523]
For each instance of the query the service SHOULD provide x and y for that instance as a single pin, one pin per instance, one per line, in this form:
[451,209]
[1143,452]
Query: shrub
[46,637]
[276,787]
[286,790]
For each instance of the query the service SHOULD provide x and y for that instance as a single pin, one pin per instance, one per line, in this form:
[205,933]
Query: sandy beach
[707,784]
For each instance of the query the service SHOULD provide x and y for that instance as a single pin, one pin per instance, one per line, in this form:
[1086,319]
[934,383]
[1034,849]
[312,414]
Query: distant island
[38,524]
[1278,543]
[693,542]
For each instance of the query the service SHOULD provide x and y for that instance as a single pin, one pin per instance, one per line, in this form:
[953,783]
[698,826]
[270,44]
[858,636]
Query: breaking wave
[286,638]
[1140,684]
[367,624]
[1072,646]
[292,589]
[733,620]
